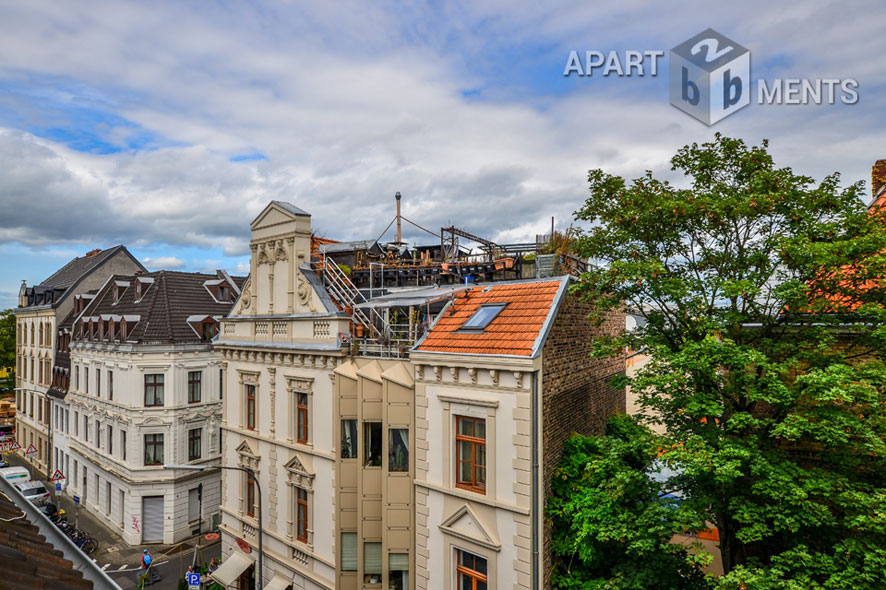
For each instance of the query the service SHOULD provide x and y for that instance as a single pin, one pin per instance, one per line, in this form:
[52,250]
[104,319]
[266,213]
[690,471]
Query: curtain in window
[348,439]
[398,449]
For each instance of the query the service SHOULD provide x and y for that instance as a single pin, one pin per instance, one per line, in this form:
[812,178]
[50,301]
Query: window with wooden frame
[153,449]
[470,453]
[471,570]
[250,406]
[250,496]
[302,417]
[224,293]
[301,514]
[195,443]
[210,329]
[154,389]
[195,379]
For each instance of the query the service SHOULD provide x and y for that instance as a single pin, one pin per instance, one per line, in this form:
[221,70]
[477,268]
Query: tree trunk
[731,548]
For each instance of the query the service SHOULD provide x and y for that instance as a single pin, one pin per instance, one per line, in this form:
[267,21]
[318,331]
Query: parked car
[34,491]
[15,475]
[7,431]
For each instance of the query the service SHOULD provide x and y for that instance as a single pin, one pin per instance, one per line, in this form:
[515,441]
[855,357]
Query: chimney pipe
[399,228]
[878,178]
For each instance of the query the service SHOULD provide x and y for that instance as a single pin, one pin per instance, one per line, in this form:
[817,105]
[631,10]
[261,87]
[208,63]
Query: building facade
[279,347]
[425,471]
[40,344]
[145,391]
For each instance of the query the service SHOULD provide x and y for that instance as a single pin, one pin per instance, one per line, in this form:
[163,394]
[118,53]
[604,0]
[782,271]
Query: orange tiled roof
[513,332]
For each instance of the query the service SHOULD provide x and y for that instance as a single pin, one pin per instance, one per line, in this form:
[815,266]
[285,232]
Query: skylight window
[483,316]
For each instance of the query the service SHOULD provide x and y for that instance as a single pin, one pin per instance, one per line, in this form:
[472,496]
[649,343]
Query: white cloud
[351,102]
[163,263]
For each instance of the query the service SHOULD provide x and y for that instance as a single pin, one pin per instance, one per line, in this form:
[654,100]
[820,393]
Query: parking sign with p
[710,76]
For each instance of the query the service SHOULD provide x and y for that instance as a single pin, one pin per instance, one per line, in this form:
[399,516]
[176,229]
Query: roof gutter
[82,562]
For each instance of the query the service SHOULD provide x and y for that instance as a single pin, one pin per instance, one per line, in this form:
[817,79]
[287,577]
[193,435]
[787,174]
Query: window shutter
[398,561]
[349,552]
[371,558]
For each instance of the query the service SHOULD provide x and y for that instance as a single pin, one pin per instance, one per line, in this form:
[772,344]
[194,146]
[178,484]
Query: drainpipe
[534,492]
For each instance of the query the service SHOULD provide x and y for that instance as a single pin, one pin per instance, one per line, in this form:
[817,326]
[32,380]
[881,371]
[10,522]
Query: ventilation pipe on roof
[399,228]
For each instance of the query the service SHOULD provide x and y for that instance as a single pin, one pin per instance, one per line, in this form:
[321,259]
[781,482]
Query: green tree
[612,522]
[766,327]
[7,338]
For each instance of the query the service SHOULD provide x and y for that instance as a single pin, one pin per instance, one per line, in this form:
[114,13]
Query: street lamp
[251,473]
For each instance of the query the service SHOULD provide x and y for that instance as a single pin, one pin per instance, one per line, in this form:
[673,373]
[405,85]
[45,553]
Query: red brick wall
[576,391]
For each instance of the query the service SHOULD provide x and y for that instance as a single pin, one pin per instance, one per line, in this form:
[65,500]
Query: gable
[465,524]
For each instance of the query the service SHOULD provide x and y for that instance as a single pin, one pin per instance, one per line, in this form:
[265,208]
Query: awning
[278,582]
[231,568]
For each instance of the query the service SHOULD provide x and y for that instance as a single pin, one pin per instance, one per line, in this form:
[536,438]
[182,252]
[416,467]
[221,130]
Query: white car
[34,491]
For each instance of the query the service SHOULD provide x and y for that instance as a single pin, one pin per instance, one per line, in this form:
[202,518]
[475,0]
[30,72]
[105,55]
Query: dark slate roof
[52,289]
[72,271]
[27,560]
[164,307]
[291,208]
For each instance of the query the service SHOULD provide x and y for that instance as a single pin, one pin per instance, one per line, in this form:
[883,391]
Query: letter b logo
[710,76]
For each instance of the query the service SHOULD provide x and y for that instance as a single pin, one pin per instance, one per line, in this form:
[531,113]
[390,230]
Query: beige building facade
[425,471]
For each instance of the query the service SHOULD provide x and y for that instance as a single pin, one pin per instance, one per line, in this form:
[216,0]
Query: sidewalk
[122,560]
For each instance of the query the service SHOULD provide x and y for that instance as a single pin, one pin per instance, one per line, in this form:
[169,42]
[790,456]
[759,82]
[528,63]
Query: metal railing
[348,296]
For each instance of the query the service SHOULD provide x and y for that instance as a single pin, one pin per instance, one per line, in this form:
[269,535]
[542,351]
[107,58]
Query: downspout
[534,494]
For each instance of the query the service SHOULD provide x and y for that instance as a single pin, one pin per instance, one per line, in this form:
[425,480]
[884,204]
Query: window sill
[467,488]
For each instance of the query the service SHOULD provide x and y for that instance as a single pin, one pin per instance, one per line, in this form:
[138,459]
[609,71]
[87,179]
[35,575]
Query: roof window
[483,316]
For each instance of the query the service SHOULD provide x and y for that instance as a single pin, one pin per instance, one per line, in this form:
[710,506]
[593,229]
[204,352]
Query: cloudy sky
[167,126]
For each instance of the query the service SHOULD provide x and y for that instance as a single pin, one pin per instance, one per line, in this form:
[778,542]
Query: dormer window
[210,329]
[138,289]
[483,317]
[116,292]
[111,330]
[224,293]
[101,329]
[123,330]
[91,330]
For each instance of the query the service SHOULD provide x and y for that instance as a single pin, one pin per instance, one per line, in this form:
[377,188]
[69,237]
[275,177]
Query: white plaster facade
[108,429]
[281,340]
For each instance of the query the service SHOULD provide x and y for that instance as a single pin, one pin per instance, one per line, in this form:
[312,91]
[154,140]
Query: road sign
[193,581]
[76,499]
[32,450]
[57,476]
[14,446]
[58,487]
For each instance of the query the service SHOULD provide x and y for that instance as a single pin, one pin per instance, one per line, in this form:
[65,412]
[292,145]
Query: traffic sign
[32,450]
[57,476]
[76,499]
[58,487]
[14,446]
[193,581]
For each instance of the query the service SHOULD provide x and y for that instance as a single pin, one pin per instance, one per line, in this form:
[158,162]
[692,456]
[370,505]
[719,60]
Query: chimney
[92,253]
[399,228]
[878,178]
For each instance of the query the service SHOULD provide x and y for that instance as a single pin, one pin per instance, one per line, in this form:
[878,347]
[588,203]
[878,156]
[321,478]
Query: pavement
[122,561]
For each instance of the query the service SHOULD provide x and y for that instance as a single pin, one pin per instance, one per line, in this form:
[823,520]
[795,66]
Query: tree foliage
[7,338]
[612,523]
[765,325]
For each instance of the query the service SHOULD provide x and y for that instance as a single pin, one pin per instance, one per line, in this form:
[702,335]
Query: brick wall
[576,391]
